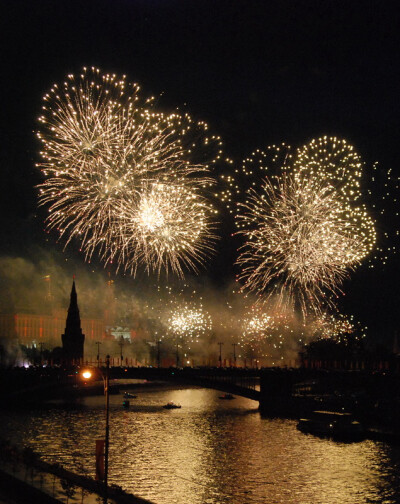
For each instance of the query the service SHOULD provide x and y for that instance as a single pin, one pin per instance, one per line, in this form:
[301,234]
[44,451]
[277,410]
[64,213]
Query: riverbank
[13,490]
[378,420]
[210,450]
[24,477]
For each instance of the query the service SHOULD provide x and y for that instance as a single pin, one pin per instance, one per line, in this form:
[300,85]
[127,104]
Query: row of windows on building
[46,328]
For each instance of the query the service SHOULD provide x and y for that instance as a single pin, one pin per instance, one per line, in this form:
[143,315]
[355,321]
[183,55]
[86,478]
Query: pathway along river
[210,451]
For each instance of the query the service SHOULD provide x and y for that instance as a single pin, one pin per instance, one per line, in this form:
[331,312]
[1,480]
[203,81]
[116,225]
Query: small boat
[171,405]
[333,424]
[128,395]
[227,396]
[125,404]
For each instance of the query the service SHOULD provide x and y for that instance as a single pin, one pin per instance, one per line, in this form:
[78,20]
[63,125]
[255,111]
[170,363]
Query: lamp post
[234,353]
[98,353]
[107,440]
[220,354]
[106,382]
[121,344]
[158,353]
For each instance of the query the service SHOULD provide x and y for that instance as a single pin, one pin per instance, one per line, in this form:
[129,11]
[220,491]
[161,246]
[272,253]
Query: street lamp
[98,343]
[220,354]
[121,344]
[158,353]
[87,374]
[234,353]
[107,440]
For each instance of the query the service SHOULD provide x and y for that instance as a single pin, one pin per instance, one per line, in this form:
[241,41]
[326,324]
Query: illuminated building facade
[30,330]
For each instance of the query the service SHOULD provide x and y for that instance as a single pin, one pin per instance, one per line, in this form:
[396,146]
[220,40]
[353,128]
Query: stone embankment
[25,478]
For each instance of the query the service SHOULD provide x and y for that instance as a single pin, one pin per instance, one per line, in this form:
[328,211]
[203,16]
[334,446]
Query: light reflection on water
[209,452]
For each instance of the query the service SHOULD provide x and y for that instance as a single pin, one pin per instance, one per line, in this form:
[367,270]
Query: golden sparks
[127,181]
[304,227]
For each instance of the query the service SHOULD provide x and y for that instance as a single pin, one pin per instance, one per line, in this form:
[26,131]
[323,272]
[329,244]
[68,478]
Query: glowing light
[304,229]
[189,323]
[268,334]
[383,194]
[109,158]
[336,327]
[168,227]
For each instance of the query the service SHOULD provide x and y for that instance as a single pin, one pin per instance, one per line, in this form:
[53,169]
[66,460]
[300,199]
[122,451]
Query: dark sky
[258,72]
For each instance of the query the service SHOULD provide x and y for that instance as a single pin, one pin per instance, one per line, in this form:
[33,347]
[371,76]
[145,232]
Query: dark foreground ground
[15,491]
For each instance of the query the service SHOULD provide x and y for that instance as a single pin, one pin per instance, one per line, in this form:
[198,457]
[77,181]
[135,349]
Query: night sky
[259,72]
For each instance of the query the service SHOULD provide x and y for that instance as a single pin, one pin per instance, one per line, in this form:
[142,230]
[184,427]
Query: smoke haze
[144,306]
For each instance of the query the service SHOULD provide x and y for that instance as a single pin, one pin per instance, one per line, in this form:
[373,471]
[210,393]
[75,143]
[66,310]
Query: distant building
[30,330]
[49,328]
[125,333]
[73,338]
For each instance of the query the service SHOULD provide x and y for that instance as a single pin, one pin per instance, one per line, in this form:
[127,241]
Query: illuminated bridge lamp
[87,374]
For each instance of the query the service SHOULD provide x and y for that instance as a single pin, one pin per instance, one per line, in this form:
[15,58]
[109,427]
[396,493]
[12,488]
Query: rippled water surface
[209,452]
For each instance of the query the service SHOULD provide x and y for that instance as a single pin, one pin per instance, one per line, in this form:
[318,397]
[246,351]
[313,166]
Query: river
[208,452]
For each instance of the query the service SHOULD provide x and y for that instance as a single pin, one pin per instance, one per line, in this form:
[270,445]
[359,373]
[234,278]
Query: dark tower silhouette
[73,338]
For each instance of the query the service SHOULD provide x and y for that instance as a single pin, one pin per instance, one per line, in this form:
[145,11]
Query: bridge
[283,392]
[44,383]
[241,382]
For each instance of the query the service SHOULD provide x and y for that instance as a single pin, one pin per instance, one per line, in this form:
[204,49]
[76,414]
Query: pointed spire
[73,319]
[73,338]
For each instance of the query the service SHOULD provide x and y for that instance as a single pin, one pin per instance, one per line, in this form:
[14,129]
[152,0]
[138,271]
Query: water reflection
[210,451]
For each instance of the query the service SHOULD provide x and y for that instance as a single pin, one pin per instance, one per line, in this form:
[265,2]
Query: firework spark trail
[189,323]
[298,241]
[383,192]
[333,160]
[335,327]
[167,226]
[103,148]
[269,334]
[181,315]
[303,231]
